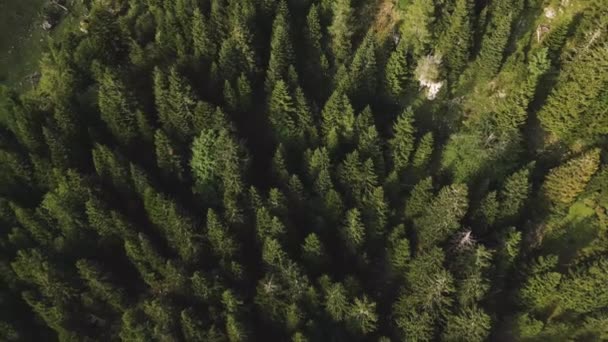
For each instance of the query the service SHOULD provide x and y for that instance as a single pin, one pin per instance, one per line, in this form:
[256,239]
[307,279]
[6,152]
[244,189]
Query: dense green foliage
[310,170]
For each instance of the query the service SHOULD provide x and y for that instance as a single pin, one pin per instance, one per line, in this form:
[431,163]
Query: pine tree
[168,158]
[336,303]
[282,113]
[100,285]
[146,259]
[313,251]
[488,210]
[400,255]
[569,113]
[362,316]
[204,46]
[496,37]
[216,164]
[316,60]
[540,290]
[117,108]
[181,101]
[230,96]
[281,49]
[564,183]
[420,198]
[417,34]
[424,151]
[514,194]
[59,152]
[442,216]
[402,143]
[582,291]
[353,231]
[456,42]
[426,297]
[111,167]
[469,325]
[338,121]
[169,219]
[221,242]
[397,73]
[305,118]
[363,80]
[193,327]
[369,146]
[34,224]
[341,30]
[244,92]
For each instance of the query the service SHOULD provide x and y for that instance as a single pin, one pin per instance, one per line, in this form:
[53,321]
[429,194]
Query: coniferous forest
[310,170]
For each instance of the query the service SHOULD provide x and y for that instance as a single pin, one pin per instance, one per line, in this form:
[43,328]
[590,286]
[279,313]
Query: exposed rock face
[433,88]
[46,25]
[427,74]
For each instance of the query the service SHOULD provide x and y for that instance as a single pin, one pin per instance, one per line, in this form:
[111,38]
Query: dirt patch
[387,17]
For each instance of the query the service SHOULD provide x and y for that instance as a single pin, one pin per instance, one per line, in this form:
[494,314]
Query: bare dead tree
[56,3]
[464,240]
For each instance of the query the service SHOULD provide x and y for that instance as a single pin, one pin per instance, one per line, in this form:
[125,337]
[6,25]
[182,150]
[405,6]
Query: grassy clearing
[22,39]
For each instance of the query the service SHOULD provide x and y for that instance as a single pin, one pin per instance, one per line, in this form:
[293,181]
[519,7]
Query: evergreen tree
[338,120]
[221,242]
[313,251]
[203,43]
[470,325]
[362,316]
[336,303]
[455,42]
[402,144]
[494,42]
[582,292]
[281,49]
[417,34]
[569,112]
[100,286]
[424,151]
[316,60]
[353,231]
[397,74]
[337,231]
[514,194]
[166,216]
[441,218]
[341,30]
[420,198]
[168,158]
[564,183]
[363,80]
[117,108]
[282,113]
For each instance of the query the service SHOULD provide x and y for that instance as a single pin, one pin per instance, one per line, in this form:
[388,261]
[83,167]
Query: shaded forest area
[310,170]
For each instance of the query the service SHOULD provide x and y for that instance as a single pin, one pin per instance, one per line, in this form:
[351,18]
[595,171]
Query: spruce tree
[203,43]
[281,49]
[282,113]
[338,120]
[341,29]
[117,108]
[402,144]
[397,73]
[564,183]
[455,43]
[168,157]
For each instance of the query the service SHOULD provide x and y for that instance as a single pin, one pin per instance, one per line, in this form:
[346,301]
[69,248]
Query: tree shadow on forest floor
[573,234]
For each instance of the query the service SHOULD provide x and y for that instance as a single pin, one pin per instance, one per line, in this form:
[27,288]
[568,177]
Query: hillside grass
[23,41]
